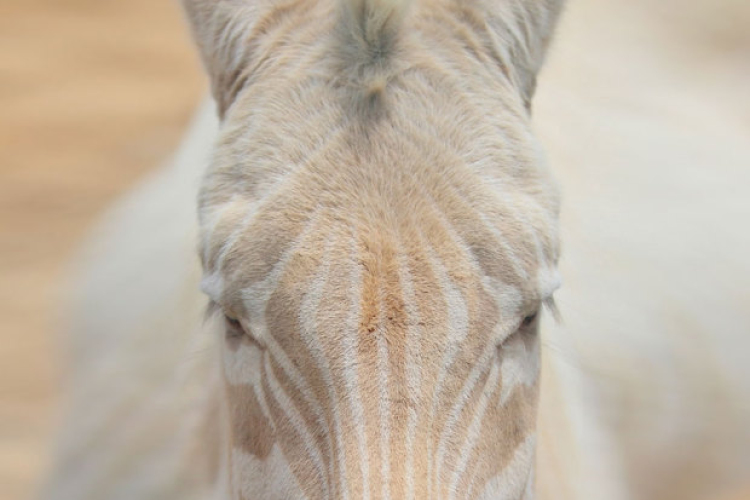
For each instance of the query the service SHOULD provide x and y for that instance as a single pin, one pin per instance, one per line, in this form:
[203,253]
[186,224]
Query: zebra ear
[221,28]
[520,32]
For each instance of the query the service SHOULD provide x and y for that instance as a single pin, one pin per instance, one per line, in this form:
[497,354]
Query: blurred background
[94,93]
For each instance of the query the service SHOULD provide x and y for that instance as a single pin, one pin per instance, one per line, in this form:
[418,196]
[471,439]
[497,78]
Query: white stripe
[308,315]
[255,297]
[443,283]
[300,383]
[499,238]
[457,330]
[351,376]
[241,368]
[520,367]
[413,367]
[472,435]
[461,401]
[239,230]
[384,406]
[298,423]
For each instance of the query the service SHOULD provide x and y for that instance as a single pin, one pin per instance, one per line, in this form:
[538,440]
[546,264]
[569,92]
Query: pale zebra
[381,274]
[378,234]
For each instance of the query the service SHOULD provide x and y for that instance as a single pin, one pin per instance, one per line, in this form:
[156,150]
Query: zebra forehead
[261,252]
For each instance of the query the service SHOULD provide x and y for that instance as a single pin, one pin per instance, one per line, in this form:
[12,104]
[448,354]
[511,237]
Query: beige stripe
[287,406]
[309,320]
[413,369]
[351,375]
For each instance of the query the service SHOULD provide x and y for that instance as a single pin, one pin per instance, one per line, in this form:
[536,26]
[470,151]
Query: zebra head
[378,235]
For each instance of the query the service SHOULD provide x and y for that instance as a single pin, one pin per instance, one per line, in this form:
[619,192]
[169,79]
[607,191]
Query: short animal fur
[378,234]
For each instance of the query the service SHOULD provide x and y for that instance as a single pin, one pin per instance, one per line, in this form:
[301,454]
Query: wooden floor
[92,95]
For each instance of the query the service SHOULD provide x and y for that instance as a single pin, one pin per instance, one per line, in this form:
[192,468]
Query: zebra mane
[372,26]
[369,31]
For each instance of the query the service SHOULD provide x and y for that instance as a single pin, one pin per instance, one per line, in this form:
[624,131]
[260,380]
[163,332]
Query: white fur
[656,321]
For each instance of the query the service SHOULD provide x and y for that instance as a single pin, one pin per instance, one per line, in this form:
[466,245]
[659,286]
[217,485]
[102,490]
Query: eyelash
[233,326]
[529,320]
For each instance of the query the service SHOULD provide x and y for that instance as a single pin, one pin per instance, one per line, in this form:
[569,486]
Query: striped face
[378,346]
[379,243]
[377,362]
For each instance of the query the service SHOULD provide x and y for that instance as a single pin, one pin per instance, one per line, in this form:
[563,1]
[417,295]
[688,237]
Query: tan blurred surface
[92,94]
[95,93]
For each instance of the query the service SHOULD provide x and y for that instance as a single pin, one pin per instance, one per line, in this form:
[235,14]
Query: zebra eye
[529,320]
[525,328]
[234,327]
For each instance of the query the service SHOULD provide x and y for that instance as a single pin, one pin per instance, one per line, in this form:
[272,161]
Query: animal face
[378,233]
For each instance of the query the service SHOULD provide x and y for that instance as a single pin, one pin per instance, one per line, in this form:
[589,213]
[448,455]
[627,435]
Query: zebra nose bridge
[394,468]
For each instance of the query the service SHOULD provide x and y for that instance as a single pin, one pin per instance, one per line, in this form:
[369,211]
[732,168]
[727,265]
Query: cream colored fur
[382,156]
[142,361]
